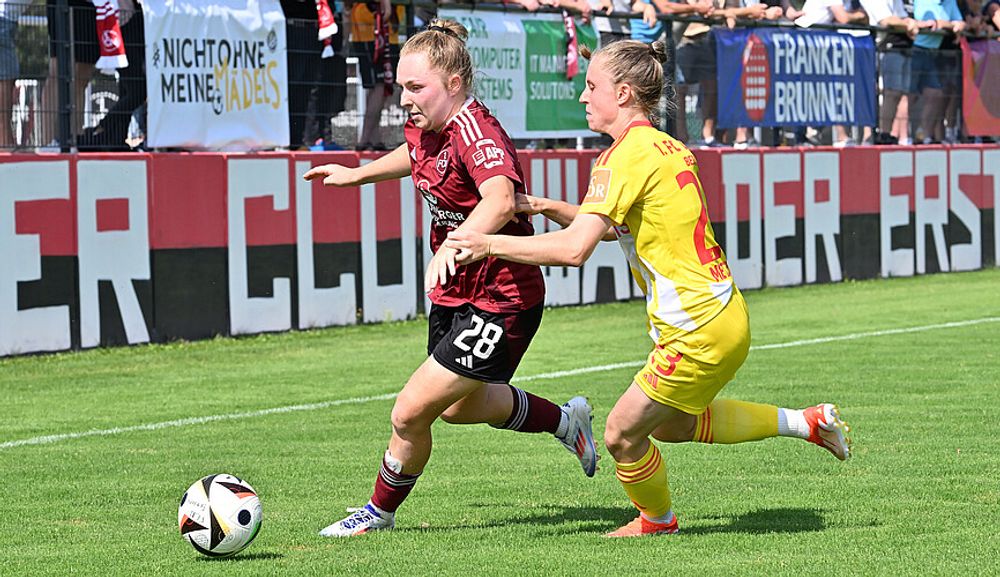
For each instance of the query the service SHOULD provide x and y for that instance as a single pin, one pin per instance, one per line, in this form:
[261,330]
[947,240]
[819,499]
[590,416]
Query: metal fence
[53,99]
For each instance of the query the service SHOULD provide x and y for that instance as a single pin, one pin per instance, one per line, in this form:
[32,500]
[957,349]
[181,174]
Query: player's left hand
[442,265]
[527,204]
[469,246]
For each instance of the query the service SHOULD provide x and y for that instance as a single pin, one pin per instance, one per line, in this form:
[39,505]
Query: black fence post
[64,65]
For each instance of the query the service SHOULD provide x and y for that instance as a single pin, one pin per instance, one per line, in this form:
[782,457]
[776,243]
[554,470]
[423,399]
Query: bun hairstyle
[449,27]
[443,41]
[639,65]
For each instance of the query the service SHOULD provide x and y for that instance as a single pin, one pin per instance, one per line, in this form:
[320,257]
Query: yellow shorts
[687,373]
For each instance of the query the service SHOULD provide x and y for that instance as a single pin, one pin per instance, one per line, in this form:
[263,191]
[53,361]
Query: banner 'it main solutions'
[782,77]
[521,65]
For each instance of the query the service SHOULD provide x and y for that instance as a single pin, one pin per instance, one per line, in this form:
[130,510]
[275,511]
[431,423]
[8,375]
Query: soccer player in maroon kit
[482,316]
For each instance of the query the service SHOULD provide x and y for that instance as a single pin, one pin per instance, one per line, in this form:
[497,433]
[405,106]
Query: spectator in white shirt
[611,29]
[894,48]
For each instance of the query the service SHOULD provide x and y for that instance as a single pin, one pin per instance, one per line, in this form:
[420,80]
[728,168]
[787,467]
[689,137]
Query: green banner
[520,62]
[553,100]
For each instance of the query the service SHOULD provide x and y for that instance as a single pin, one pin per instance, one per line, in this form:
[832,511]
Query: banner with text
[216,74]
[521,63]
[782,77]
[981,86]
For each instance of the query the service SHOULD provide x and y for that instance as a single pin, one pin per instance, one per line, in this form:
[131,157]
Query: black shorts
[696,58]
[365,52]
[478,344]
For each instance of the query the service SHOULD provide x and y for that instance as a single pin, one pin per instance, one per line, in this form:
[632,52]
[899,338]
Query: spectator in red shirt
[482,317]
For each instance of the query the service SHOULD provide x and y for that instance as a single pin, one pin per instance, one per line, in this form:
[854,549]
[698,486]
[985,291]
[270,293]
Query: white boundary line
[192,421]
[47,439]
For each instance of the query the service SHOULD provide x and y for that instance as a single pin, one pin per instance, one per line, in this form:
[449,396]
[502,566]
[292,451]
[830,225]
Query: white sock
[665,519]
[380,512]
[563,427]
[792,423]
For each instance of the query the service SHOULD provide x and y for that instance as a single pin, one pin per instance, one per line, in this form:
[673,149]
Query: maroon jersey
[448,168]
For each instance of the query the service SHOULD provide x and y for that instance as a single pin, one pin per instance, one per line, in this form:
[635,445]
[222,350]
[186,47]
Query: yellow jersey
[647,184]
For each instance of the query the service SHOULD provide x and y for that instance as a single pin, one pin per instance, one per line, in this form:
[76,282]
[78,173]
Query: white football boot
[828,430]
[579,438]
[365,519]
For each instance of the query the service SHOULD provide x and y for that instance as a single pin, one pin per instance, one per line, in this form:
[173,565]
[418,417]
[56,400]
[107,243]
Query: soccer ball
[219,515]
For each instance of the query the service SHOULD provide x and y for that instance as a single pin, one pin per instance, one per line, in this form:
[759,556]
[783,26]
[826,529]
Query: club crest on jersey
[600,182]
[441,165]
[488,154]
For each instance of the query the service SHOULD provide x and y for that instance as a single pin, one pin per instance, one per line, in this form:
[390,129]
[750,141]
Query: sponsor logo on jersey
[425,190]
[600,182]
[488,154]
[442,217]
[442,162]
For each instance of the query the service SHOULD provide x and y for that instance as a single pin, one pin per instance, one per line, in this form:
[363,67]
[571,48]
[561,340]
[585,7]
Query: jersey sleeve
[484,148]
[613,188]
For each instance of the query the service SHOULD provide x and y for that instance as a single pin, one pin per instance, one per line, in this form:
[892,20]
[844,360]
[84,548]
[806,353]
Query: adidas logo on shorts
[465,361]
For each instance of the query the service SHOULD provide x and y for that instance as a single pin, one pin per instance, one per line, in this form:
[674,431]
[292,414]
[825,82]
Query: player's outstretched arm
[570,246]
[558,211]
[496,208]
[394,165]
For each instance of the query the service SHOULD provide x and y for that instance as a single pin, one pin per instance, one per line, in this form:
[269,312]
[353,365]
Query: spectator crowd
[919,67]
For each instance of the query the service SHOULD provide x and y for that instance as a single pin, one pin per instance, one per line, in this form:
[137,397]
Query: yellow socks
[645,483]
[727,421]
[724,421]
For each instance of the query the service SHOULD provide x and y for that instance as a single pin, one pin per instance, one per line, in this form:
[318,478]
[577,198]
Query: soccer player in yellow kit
[644,191]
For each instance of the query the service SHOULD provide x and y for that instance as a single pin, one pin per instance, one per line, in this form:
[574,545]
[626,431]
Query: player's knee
[407,418]
[617,441]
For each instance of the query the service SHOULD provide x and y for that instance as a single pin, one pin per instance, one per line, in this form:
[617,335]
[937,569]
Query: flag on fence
[572,54]
[981,86]
[327,27]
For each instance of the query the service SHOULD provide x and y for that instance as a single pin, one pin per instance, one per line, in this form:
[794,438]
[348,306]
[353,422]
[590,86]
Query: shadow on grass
[244,557]
[605,519]
[781,520]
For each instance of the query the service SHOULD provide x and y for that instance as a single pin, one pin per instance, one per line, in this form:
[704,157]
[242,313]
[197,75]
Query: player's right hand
[440,268]
[332,175]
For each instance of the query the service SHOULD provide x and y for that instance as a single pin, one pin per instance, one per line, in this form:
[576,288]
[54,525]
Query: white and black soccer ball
[219,515]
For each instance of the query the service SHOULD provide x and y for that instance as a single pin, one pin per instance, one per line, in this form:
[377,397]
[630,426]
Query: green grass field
[87,490]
